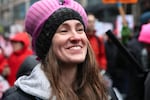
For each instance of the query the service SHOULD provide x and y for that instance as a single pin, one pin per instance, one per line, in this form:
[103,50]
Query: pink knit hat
[145,34]
[41,11]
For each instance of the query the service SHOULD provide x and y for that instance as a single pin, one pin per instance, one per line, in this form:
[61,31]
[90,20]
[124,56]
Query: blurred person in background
[21,49]
[137,49]
[5,44]
[117,67]
[4,85]
[25,69]
[144,38]
[4,70]
[96,42]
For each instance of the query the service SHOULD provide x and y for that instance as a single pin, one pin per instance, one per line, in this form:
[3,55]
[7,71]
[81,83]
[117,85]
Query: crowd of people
[18,49]
[60,57]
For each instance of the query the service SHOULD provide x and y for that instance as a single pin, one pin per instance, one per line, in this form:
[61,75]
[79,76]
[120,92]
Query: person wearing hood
[67,68]
[21,49]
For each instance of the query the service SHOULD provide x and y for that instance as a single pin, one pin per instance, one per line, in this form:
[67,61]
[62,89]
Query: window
[32,1]
[19,11]
[93,2]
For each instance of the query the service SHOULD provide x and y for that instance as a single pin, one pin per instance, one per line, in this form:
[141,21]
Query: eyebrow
[66,24]
[79,24]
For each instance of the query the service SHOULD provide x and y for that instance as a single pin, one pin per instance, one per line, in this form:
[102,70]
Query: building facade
[13,12]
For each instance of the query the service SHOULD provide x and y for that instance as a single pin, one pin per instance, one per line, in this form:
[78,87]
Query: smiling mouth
[75,47]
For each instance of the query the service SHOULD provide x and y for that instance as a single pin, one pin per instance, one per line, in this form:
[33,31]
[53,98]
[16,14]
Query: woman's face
[91,23]
[70,42]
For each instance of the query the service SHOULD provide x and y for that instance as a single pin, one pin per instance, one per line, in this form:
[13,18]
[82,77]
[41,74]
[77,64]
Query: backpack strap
[112,94]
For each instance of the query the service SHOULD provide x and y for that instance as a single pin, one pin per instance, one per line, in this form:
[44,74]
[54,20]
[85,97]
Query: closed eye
[80,29]
[63,31]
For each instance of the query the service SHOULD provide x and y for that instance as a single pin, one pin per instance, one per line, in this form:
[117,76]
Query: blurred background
[124,19]
[12,12]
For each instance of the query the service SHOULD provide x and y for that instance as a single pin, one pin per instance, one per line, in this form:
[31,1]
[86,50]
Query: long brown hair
[89,84]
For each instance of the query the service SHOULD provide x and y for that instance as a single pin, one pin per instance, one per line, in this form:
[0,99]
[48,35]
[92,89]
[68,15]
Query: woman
[68,70]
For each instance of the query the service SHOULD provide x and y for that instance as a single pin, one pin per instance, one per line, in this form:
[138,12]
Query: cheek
[85,39]
[57,43]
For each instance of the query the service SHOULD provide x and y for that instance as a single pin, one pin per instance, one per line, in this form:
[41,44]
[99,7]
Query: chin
[77,60]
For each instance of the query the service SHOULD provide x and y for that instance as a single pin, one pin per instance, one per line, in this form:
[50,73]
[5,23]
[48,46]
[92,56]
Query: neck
[69,74]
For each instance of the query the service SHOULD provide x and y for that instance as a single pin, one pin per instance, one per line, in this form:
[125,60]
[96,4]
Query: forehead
[71,22]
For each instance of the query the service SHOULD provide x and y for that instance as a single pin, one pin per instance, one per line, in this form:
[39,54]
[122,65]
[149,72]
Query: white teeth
[76,47]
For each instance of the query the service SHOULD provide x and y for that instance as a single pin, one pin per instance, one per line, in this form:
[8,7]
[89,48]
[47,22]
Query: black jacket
[147,87]
[15,93]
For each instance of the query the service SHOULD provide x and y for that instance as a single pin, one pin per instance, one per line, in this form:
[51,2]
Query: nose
[75,37]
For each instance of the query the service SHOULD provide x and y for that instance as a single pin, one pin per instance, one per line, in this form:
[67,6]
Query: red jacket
[99,50]
[17,58]
[3,62]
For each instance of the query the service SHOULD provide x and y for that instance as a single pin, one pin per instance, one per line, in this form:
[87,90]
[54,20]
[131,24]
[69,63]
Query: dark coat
[15,93]
[27,66]
[147,87]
